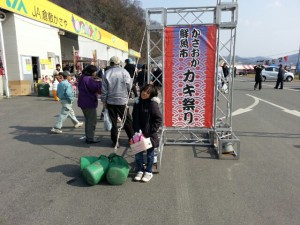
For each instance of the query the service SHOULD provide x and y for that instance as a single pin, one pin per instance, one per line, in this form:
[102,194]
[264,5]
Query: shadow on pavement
[70,137]
[72,171]
[204,152]
[43,136]
[264,134]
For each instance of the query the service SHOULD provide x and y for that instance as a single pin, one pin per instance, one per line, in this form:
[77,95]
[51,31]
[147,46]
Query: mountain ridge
[292,60]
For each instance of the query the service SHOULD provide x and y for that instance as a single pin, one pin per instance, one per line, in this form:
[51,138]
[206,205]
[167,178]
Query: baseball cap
[115,60]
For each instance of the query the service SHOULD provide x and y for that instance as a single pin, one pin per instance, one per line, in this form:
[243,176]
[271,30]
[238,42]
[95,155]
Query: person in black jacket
[157,77]
[280,77]
[147,118]
[258,78]
[142,77]
[131,70]
[225,70]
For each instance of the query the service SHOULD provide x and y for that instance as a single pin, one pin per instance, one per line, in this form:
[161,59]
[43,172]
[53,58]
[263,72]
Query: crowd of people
[258,76]
[224,72]
[114,87]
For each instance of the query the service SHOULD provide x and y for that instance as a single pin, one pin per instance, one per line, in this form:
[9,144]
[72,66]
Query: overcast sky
[269,28]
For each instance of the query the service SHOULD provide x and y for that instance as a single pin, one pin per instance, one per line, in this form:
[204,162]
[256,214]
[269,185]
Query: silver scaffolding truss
[224,16]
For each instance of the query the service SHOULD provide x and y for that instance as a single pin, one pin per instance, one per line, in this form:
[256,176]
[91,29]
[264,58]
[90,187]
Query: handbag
[140,143]
[224,88]
[106,120]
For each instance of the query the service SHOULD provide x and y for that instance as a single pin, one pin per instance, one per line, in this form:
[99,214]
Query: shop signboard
[134,53]
[54,15]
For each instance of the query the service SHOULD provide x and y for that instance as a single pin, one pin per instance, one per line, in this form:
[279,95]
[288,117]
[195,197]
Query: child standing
[55,82]
[147,118]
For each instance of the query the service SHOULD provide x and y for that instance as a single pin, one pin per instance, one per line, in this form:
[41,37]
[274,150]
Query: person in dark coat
[142,77]
[225,70]
[157,77]
[280,77]
[131,70]
[147,118]
[258,77]
[89,88]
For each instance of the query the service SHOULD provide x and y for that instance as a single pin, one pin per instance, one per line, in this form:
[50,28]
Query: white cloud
[278,4]
[275,4]
[251,23]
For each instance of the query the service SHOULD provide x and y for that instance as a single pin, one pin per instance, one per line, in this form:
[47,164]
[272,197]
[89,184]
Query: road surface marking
[266,84]
[256,101]
[285,88]
[292,112]
[248,109]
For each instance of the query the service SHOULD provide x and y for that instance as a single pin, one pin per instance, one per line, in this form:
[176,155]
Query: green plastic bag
[118,170]
[95,172]
[85,161]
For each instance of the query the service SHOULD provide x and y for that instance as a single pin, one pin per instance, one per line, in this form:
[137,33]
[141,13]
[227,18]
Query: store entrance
[35,69]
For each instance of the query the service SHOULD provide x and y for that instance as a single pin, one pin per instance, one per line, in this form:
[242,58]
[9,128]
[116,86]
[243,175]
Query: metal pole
[4,61]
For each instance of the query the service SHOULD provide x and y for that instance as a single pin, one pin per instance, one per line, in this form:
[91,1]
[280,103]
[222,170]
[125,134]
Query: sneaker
[114,145]
[94,141]
[79,124]
[147,176]
[138,176]
[56,130]
[102,116]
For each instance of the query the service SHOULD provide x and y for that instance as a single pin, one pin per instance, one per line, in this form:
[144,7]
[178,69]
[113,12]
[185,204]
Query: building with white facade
[37,34]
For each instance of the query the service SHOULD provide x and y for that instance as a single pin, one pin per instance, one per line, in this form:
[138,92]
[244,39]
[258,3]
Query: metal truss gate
[224,16]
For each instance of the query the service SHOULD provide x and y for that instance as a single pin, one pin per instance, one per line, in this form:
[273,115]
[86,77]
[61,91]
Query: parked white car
[271,72]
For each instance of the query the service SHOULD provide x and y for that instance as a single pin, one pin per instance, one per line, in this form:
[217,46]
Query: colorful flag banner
[190,55]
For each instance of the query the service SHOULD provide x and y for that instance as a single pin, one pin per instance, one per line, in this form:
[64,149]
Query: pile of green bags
[114,167]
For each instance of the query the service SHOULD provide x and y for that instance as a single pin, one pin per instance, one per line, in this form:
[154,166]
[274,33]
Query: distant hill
[123,18]
[292,60]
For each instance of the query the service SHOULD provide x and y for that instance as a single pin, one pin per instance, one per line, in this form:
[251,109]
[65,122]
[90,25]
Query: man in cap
[116,85]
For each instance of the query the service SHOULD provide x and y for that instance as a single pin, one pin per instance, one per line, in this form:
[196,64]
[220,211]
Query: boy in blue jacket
[66,95]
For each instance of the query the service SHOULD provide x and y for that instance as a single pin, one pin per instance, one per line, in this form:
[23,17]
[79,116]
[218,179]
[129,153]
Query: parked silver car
[271,72]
